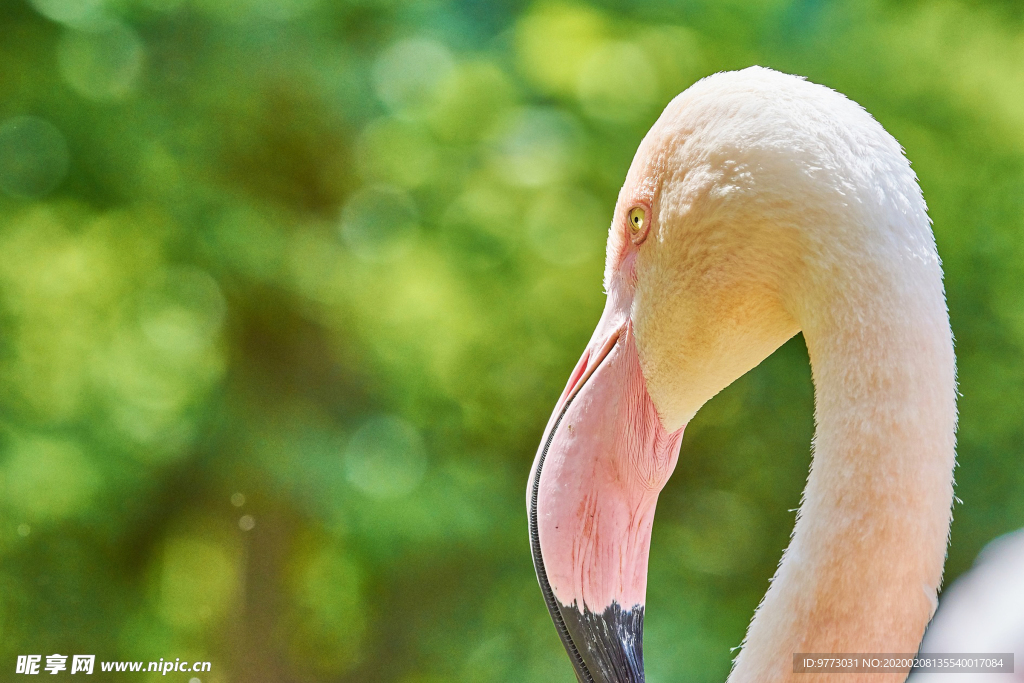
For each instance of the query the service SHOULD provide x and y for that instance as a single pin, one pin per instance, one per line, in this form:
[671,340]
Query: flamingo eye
[637,220]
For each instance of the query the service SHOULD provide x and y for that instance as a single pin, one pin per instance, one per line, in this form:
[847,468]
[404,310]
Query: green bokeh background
[288,289]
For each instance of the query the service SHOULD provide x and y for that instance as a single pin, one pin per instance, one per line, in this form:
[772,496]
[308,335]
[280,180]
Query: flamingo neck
[865,561]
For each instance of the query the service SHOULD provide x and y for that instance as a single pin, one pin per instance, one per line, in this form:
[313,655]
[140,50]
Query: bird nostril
[577,373]
[590,362]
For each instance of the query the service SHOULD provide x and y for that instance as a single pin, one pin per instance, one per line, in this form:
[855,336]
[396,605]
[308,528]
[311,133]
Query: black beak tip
[605,647]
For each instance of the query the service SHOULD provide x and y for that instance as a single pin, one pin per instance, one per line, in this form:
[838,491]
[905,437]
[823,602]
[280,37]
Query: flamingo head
[713,227]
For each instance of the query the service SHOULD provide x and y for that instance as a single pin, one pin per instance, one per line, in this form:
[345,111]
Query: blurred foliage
[288,289]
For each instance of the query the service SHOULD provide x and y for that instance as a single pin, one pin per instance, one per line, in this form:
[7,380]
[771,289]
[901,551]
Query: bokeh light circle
[34,157]
[101,62]
[536,146]
[618,83]
[385,458]
[68,11]
[379,223]
[566,226]
[408,75]
[182,311]
[48,478]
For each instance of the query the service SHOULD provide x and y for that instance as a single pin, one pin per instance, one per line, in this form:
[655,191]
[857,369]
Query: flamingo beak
[603,460]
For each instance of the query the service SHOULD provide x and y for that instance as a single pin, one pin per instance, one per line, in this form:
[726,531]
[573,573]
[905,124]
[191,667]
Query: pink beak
[604,458]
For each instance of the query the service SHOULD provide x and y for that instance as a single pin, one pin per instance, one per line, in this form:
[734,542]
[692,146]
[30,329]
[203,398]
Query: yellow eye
[637,219]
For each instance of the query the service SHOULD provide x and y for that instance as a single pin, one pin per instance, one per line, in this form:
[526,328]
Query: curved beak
[594,485]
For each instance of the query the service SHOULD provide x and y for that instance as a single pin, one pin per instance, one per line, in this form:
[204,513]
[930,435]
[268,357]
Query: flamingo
[759,205]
